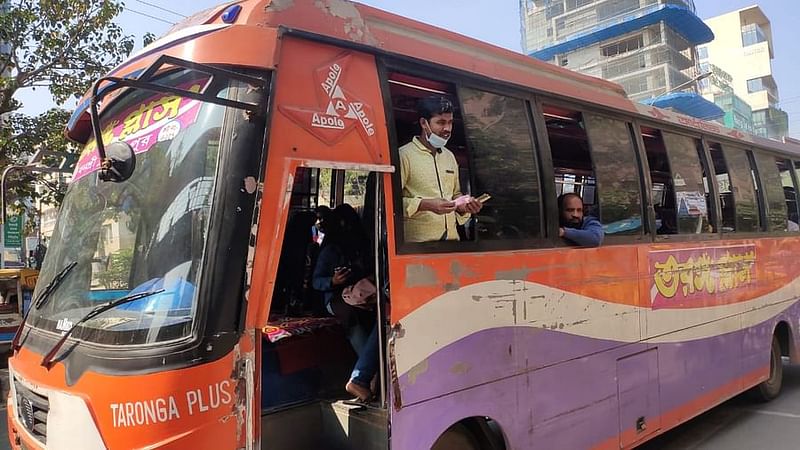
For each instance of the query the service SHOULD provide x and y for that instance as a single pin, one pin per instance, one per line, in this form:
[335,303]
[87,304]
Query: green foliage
[148,39]
[58,45]
[118,271]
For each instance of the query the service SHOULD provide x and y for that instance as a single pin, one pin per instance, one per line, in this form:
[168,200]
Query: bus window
[691,203]
[305,188]
[724,188]
[572,161]
[790,194]
[617,174]
[406,91]
[744,189]
[504,165]
[676,172]
[777,216]
[705,167]
[354,189]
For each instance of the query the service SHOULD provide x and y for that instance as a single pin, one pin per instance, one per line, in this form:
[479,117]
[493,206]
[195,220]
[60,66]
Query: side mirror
[119,163]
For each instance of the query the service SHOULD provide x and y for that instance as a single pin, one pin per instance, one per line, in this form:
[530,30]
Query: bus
[174,311]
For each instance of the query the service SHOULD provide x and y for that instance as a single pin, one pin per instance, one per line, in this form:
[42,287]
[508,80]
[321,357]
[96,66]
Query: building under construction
[647,46]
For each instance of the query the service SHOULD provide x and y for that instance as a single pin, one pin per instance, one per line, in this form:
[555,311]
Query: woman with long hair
[344,259]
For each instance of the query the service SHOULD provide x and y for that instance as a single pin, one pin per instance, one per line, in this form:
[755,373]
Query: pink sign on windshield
[152,121]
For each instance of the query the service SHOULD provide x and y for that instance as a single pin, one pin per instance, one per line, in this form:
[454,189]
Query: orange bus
[175,309]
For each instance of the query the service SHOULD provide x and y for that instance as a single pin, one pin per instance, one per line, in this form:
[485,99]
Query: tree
[58,45]
[118,271]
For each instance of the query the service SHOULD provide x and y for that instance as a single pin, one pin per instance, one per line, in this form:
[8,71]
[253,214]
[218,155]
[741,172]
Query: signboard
[13,232]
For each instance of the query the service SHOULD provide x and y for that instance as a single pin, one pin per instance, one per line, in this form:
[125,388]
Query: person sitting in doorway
[429,178]
[344,259]
[585,231]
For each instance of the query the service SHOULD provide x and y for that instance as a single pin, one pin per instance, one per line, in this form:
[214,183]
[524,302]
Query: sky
[493,21]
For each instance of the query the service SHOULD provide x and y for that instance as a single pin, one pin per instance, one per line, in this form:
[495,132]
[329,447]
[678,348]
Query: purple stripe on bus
[583,389]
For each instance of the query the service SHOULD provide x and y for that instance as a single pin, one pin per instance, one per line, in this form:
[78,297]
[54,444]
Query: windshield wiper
[41,300]
[97,310]
[53,285]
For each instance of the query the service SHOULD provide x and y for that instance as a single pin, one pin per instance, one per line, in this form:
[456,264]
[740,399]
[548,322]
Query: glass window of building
[755,85]
[554,9]
[626,45]
[752,34]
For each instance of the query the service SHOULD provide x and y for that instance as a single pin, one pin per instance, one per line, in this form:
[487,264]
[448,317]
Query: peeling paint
[419,275]
[459,270]
[354,27]
[416,371]
[449,287]
[460,368]
[512,275]
[279,5]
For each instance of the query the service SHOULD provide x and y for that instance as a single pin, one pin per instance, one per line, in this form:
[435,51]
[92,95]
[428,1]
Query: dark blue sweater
[590,234]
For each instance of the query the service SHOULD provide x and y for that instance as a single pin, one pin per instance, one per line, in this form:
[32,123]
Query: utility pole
[31,167]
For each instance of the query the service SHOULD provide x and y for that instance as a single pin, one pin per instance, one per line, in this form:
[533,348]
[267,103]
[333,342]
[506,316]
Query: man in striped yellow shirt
[429,178]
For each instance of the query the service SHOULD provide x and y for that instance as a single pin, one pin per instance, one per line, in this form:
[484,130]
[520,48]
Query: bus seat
[293,294]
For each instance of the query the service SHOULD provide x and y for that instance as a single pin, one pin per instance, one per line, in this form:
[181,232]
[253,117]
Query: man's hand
[437,206]
[473,206]
[560,231]
[340,276]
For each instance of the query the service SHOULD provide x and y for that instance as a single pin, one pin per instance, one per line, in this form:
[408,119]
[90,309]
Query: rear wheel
[771,387]
[457,437]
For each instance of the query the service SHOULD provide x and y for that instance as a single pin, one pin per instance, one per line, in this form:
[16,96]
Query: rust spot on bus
[279,5]
[354,26]
[416,371]
[460,368]
[420,275]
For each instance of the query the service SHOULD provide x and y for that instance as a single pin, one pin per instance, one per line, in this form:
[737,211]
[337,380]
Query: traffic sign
[13,232]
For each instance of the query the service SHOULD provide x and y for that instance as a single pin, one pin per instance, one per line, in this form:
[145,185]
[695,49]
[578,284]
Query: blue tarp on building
[679,18]
[688,103]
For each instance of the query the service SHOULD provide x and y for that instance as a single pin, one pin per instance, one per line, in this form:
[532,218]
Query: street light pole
[6,172]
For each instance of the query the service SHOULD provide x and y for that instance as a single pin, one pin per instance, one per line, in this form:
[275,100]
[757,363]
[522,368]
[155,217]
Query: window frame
[386,66]
[535,98]
[728,146]
[713,207]
[646,199]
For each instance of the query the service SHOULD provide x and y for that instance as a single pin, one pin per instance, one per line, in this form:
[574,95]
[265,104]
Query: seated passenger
[579,230]
[344,259]
[429,178]
[318,230]
[291,289]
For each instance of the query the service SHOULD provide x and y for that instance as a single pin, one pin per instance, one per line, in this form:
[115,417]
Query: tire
[771,387]
[457,437]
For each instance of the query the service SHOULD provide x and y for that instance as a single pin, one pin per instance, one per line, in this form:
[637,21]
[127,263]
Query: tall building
[647,46]
[718,88]
[743,48]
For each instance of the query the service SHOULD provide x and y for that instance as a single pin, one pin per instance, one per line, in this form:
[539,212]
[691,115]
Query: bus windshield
[145,234]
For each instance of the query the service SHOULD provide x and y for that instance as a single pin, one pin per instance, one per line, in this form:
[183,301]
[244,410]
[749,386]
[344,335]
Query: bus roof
[214,41]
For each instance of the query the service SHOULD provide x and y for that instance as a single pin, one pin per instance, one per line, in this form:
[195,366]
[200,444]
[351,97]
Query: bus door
[307,352]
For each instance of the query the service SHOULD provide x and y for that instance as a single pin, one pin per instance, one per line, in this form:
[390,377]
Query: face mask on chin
[434,139]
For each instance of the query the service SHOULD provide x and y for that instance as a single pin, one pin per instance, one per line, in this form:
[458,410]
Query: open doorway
[313,339]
